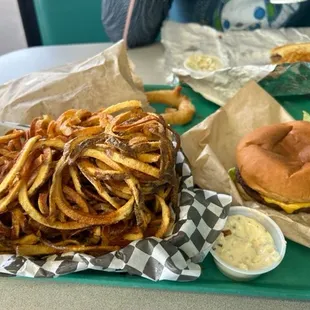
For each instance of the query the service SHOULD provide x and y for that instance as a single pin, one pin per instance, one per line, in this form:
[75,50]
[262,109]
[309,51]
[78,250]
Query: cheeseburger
[273,166]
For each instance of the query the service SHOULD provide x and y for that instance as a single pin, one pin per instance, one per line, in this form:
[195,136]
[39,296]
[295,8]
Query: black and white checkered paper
[202,215]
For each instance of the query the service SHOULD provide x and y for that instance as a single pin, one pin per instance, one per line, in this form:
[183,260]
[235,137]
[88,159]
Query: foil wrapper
[244,56]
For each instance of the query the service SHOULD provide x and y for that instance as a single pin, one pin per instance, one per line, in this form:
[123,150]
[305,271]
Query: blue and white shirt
[223,15]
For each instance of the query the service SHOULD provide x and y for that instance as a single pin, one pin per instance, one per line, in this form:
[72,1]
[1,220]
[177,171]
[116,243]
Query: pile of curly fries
[87,182]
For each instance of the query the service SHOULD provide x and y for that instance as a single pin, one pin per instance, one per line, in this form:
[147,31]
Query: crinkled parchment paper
[213,154]
[97,82]
[244,55]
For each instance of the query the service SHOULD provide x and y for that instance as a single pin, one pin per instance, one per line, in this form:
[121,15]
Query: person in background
[223,15]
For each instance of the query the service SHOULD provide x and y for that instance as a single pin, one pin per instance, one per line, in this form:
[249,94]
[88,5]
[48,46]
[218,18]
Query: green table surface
[290,280]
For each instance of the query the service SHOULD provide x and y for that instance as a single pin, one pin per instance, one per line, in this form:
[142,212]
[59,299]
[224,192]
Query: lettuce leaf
[232,173]
[306,116]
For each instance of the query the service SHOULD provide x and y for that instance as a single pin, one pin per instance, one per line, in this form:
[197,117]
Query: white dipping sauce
[247,244]
[201,62]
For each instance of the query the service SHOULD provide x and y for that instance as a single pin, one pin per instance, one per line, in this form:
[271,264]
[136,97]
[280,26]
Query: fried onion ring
[183,110]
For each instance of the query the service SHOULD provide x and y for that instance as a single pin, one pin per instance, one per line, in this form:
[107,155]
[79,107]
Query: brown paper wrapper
[214,153]
[95,83]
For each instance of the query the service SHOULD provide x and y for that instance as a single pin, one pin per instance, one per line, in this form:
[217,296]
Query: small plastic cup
[277,235]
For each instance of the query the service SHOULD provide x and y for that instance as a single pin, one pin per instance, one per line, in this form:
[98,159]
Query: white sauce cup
[275,232]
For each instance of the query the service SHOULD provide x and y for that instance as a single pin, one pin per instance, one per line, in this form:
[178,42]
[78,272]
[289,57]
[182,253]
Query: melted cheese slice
[288,207]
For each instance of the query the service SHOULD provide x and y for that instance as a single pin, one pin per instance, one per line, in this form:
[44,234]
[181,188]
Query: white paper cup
[274,230]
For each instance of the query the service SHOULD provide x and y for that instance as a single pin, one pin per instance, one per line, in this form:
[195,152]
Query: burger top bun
[275,161]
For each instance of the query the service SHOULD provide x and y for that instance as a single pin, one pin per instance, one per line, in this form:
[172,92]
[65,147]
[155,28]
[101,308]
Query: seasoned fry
[134,164]
[12,195]
[134,234]
[100,189]
[165,218]
[149,158]
[11,136]
[34,214]
[6,153]
[42,203]
[76,180]
[122,105]
[27,240]
[98,173]
[87,182]
[19,164]
[75,197]
[64,206]
[43,172]
[18,221]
